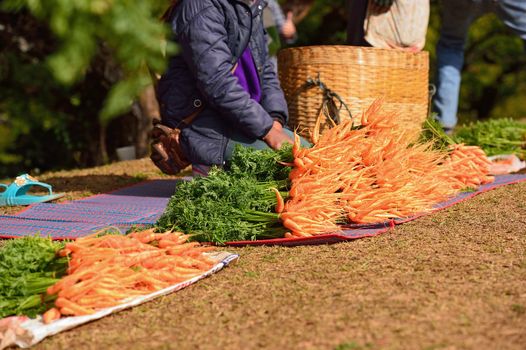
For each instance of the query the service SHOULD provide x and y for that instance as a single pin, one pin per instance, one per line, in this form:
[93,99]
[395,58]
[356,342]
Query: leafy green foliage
[26,119]
[495,136]
[433,132]
[28,266]
[493,78]
[221,207]
[68,67]
[264,165]
[130,28]
[231,205]
[324,25]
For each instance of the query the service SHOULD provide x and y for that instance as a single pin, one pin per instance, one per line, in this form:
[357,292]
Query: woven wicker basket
[359,76]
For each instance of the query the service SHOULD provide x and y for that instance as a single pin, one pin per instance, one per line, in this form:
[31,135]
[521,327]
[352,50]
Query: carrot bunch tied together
[372,172]
[106,270]
[469,166]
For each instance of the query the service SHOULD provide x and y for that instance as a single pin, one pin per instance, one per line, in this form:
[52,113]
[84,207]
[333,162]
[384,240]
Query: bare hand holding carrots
[276,137]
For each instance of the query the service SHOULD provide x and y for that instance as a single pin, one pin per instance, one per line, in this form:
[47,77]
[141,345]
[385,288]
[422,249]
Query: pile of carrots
[106,270]
[469,166]
[373,172]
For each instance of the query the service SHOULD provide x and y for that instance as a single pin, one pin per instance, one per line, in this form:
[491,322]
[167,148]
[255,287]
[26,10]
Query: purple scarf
[247,75]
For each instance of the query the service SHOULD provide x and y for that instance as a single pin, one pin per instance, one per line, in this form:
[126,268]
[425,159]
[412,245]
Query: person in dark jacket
[223,75]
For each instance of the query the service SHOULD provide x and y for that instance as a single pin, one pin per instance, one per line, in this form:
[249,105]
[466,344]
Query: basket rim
[354,48]
[353,55]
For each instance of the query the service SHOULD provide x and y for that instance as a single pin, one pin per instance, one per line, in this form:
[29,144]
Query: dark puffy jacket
[212,35]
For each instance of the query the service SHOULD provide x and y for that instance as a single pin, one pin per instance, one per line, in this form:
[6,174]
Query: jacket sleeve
[273,99]
[203,41]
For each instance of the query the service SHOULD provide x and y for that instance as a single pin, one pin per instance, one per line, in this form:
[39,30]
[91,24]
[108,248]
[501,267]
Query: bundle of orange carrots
[373,172]
[106,270]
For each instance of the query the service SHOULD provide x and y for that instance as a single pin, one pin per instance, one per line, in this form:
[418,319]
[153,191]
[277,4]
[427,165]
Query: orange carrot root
[51,315]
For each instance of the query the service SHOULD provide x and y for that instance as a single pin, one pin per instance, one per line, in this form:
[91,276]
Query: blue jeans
[457,16]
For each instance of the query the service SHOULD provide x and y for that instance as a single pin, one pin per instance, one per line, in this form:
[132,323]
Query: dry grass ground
[452,280]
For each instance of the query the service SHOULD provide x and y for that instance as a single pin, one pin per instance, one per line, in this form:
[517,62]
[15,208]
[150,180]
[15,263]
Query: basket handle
[329,98]
[329,106]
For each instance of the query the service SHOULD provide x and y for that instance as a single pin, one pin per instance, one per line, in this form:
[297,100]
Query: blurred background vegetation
[71,73]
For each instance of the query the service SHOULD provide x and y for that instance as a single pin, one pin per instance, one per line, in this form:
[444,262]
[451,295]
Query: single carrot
[166,243]
[176,250]
[279,200]
[51,315]
[75,308]
[67,311]
[64,252]
[301,234]
[143,236]
[297,145]
[291,225]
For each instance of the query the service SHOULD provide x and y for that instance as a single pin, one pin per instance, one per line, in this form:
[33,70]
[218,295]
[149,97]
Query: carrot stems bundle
[372,173]
[28,266]
[233,205]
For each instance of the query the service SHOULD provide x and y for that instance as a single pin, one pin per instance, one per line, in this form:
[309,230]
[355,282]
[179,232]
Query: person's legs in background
[457,16]
[513,14]
[356,12]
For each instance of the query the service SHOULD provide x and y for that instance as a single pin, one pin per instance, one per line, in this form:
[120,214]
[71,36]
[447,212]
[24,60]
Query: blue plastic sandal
[16,193]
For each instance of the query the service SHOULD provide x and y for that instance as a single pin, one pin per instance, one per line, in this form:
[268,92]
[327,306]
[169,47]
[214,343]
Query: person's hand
[380,6]
[288,30]
[411,49]
[276,137]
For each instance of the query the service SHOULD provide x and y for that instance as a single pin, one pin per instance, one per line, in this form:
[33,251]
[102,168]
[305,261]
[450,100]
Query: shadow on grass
[93,184]
[89,185]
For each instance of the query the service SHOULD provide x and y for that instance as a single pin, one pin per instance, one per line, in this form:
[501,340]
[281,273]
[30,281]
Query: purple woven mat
[141,204]
[13,227]
[88,212]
